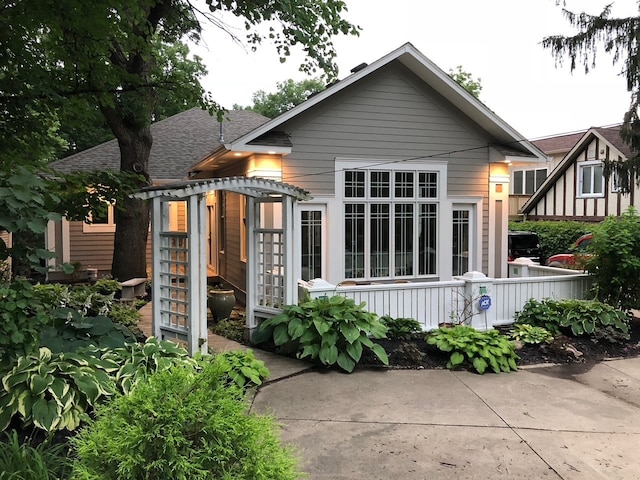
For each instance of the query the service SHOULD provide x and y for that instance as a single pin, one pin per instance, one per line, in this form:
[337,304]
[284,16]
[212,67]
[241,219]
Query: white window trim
[579,193]
[310,207]
[524,179]
[392,165]
[109,227]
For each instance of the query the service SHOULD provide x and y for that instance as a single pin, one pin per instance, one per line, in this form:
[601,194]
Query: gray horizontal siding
[391,115]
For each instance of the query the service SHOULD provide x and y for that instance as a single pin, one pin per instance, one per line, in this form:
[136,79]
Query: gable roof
[178,141]
[610,135]
[432,75]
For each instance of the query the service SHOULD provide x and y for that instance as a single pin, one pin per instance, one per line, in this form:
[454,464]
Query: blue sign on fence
[485,302]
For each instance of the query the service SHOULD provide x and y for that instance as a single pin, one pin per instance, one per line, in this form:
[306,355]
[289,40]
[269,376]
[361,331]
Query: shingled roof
[559,143]
[178,142]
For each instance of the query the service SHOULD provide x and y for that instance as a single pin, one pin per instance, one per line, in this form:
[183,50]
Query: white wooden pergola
[180,262]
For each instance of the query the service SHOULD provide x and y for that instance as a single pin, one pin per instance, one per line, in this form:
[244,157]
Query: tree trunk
[132,216]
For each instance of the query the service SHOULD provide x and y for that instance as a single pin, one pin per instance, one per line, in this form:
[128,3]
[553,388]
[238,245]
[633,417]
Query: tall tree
[619,37]
[104,51]
[289,94]
[466,81]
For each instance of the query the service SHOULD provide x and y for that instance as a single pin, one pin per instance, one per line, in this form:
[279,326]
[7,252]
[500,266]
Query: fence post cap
[474,276]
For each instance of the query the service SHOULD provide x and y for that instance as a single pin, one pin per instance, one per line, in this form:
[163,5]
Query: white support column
[195,299]
[202,261]
[252,261]
[158,224]
[289,230]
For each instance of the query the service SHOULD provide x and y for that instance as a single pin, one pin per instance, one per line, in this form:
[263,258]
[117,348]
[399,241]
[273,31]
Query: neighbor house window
[590,179]
[100,221]
[390,223]
[526,182]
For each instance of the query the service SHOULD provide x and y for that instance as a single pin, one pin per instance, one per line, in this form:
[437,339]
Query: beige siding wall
[563,201]
[95,250]
[235,270]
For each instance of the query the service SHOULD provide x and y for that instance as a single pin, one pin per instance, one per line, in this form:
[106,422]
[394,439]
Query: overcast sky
[498,41]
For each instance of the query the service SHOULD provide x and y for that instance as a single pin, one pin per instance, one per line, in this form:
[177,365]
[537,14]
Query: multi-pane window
[390,223]
[590,179]
[526,182]
[311,230]
[461,223]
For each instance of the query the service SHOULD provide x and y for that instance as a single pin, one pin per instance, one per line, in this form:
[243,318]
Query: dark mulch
[416,353]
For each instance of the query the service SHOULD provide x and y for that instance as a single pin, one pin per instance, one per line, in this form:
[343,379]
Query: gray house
[407,175]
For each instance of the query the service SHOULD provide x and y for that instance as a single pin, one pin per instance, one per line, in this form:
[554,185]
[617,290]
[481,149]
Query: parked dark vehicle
[524,245]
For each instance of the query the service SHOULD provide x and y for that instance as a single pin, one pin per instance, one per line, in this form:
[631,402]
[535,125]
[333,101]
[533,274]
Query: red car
[573,260]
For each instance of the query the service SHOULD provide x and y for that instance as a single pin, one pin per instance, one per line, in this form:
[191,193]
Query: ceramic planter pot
[221,303]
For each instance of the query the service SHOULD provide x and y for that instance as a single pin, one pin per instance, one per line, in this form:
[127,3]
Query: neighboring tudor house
[178,142]
[577,189]
[407,173]
[527,178]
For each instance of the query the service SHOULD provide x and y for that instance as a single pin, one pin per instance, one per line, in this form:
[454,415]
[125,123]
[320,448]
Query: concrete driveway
[558,422]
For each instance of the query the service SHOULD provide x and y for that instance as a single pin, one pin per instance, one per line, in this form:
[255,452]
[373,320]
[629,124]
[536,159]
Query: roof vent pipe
[221,132]
[359,67]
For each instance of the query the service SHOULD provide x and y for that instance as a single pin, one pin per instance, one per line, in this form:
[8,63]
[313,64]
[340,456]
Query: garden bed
[414,352]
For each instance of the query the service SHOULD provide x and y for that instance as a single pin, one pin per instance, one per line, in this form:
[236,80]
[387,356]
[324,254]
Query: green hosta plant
[136,361]
[529,334]
[577,317]
[70,331]
[400,328]
[54,392]
[332,330]
[481,350]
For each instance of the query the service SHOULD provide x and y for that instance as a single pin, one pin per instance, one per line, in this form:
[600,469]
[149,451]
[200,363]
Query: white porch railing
[431,303]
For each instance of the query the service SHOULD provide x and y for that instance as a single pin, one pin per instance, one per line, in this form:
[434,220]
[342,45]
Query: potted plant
[220,302]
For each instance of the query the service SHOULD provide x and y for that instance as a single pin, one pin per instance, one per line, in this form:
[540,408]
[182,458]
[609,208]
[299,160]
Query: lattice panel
[174,282]
[270,269]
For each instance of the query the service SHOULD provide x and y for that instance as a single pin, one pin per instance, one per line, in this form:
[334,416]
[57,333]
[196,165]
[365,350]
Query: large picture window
[590,179]
[390,223]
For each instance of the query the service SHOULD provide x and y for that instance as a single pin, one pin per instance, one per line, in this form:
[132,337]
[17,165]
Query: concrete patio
[558,422]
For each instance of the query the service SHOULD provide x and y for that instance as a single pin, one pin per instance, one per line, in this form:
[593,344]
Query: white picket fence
[431,303]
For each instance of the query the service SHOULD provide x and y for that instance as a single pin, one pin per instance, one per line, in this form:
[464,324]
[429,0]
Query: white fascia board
[519,159]
[243,147]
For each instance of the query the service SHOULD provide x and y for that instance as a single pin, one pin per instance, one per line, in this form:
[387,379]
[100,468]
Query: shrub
[470,347]
[615,263]
[23,461]
[181,424]
[400,328]
[125,315]
[333,330]
[53,392]
[545,314]
[528,334]
[577,317]
[22,315]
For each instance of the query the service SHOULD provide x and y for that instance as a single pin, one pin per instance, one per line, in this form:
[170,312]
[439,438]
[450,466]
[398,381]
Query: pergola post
[180,260]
